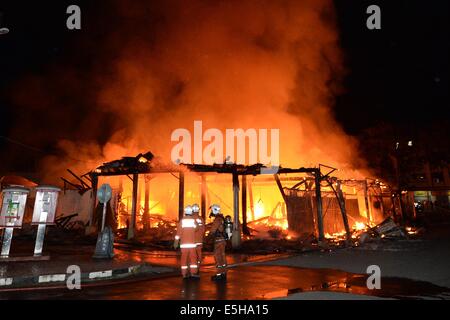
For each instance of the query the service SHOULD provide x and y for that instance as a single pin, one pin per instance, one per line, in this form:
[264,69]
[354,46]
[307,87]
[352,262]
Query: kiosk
[11,216]
[44,213]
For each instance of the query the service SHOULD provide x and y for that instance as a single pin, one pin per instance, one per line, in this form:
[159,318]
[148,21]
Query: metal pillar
[203,197]
[343,210]
[181,196]
[317,178]
[244,206]
[236,238]
[132,224]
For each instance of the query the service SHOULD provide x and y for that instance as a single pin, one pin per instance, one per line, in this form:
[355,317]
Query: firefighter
[220,241]
[185,238]
[200,231]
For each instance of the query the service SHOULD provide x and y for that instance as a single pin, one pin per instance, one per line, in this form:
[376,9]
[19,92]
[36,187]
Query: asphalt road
[245,282]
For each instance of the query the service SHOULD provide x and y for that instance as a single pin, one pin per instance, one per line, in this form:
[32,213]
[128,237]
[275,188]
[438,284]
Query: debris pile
[387,230]
[268,228]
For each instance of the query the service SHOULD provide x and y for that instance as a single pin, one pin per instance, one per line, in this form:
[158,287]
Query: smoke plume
[152,67]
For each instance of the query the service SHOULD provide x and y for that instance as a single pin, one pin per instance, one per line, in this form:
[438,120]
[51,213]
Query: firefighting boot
[219,277]
[195,276]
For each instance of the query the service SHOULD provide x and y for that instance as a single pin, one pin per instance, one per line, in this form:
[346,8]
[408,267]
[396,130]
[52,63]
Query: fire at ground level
[367,240]
[307,205]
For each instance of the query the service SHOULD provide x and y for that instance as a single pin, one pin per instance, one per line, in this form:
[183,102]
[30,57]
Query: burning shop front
[287,203]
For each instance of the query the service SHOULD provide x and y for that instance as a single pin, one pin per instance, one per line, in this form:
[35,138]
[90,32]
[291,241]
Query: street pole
[103,216]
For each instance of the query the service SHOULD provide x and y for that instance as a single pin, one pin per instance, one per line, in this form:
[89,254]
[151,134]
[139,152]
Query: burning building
[287,203]
[160,67]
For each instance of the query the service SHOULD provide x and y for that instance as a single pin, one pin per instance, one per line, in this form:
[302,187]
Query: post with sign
[11,215]
[44,213]
[104,248]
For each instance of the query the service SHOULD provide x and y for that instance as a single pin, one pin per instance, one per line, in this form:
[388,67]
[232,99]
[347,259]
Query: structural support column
[236,238]
[343,210]
[181,196]
[146,216]
[132,224]
[317,176]
[94,179]
[203,197]
[250,196]
[244,206]
[366,201]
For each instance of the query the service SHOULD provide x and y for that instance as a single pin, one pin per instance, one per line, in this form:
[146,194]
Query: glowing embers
[269,227]
[356,230]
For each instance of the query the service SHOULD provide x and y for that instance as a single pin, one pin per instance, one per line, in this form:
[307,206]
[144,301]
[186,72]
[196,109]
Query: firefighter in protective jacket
[185,238]
[220,241]
[200,231]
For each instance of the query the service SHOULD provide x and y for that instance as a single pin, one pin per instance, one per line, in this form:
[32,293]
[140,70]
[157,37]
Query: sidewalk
[128,262]
[54,272]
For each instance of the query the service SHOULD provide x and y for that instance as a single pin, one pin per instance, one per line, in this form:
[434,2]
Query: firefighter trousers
[189,264]
[198,249]
[219,256]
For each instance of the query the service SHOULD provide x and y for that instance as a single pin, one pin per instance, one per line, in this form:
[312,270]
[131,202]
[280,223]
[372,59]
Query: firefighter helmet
[215,209]
[188,210]
[195,208]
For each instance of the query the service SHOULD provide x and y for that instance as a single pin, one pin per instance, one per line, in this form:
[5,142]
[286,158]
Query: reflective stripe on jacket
[186,230]
[200,232]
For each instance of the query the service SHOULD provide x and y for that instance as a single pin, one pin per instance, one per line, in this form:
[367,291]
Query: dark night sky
[397,75]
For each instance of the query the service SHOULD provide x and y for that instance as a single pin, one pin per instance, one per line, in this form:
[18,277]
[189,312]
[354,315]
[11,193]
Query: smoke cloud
[155,67]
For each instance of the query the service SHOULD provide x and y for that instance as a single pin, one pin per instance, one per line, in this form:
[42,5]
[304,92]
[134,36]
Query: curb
[87,277]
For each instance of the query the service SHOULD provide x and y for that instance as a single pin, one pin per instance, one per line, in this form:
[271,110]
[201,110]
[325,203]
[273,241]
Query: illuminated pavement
[250,277]
[246,282]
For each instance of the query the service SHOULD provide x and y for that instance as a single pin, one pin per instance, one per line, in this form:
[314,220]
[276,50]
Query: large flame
[159,66]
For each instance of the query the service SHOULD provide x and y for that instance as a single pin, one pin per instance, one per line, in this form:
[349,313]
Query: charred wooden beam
[250,195]
[146,216]
[366,201]
[317,178]
[244,206]
[280,187]
[341,200]
[84,184]
[132,224]
[78,187]
[94,179]
[343,211]
[203,197]
[236,238]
